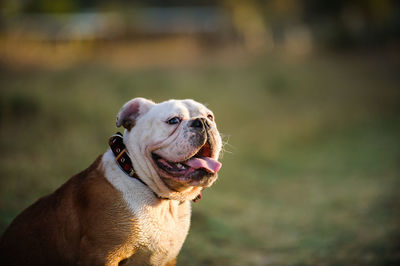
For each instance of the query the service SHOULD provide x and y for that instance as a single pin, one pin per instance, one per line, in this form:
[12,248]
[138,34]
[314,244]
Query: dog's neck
[123,160]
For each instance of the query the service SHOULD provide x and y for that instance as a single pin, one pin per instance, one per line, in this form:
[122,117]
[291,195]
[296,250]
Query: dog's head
[174,145]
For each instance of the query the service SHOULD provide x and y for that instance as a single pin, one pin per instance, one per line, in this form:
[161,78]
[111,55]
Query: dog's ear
[132,110]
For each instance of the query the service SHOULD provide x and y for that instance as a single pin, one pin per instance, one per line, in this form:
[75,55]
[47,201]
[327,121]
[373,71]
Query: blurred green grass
[310,173]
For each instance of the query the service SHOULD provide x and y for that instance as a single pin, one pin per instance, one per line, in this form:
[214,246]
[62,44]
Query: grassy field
[310,173]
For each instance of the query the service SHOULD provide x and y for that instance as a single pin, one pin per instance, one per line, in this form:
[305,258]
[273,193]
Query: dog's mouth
[194,168]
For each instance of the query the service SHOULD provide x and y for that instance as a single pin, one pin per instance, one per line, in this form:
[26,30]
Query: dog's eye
[210,117]
[174,120]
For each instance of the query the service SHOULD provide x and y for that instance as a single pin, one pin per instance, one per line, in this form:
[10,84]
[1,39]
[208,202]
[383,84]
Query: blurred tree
[50,6]
[259,23]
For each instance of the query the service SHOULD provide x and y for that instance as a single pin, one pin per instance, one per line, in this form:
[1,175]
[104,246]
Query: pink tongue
[207,163]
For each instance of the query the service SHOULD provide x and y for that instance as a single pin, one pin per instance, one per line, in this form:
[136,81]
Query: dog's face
[175,144]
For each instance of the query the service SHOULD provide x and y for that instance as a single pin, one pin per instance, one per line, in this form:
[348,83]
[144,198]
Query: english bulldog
[132,206]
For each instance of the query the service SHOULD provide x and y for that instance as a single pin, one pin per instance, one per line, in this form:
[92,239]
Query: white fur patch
[163,224]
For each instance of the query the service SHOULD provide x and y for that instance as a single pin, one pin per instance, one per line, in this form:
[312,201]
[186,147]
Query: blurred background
[305,92]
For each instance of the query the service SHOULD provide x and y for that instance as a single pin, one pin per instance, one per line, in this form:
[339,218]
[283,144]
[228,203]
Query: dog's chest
[162,230]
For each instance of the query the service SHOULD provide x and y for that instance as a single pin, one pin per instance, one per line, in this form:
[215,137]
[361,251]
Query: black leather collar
[122,158]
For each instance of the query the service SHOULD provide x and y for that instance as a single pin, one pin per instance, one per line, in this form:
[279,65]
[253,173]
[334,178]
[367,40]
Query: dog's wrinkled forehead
[140,112]
[184,109]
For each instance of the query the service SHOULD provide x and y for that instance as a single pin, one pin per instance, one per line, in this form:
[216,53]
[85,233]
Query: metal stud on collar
[196,199]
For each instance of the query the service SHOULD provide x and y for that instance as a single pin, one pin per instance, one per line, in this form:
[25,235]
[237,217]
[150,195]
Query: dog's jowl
[132,205]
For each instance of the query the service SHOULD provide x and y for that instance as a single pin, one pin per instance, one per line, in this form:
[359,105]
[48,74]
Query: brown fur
[84,222]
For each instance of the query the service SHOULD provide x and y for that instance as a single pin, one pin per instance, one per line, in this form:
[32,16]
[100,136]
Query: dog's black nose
[200,123]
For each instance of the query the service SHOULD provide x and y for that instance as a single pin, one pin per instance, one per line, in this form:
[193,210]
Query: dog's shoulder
[107,222]
[86,217]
